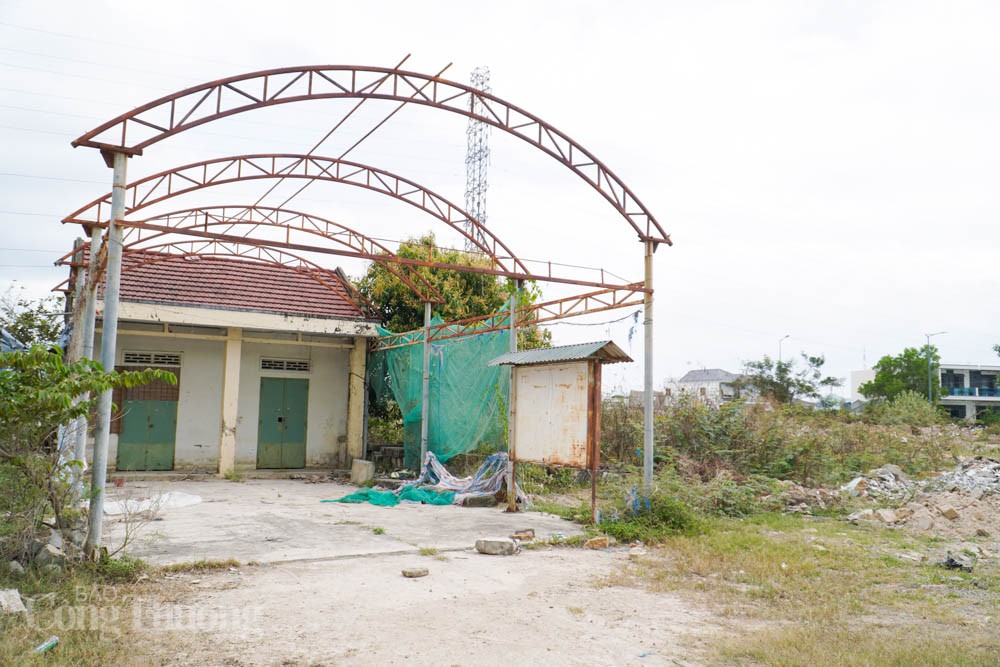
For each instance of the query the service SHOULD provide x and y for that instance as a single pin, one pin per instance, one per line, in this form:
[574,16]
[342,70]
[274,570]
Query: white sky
[827,170]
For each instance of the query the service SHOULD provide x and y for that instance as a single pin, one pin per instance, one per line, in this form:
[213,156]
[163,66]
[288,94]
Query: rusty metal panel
[551,415]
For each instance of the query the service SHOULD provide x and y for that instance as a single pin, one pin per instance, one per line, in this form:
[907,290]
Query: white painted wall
[199,406]
[326,430]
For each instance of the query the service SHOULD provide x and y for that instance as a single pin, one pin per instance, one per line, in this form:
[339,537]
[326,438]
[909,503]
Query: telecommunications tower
[477,157]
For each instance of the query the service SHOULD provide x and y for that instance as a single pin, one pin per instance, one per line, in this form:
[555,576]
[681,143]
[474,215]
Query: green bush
[664,516]
[908,409]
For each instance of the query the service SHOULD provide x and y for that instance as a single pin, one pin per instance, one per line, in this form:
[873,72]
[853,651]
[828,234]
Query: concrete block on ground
[479,501]
[601,542]
[497,546]
[948,512]
[10,602]
[415,572]
[362,471]
[886,516]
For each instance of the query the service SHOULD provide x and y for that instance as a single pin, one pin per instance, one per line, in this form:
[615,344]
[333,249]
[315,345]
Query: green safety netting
[391,498]
[467,398]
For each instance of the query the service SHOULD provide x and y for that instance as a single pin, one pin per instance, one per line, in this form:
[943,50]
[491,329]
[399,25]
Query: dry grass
[90,616]
[819,592]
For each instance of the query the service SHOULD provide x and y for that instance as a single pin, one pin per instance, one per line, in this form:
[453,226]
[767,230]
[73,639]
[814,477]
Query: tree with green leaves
[30,321]
[41,393]
[466,294]
[906,371]
[785,381]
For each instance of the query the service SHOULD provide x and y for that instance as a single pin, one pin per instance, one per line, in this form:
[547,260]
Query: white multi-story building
[967,390]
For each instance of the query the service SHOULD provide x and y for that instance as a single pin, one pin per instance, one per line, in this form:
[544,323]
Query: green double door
[281,433]
[146,441]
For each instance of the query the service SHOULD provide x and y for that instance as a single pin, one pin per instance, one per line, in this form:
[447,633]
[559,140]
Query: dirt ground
[328,590]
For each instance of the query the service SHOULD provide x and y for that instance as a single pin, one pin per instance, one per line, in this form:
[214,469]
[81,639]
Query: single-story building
[269,359]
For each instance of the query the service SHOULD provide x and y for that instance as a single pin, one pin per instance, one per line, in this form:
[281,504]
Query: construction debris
[497,546]
[601,542]
[415,572]
[10,602]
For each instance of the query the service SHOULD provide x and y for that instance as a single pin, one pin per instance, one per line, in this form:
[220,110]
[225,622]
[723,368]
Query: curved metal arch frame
[220,171]
[218,216]
[263,255]
[197,105]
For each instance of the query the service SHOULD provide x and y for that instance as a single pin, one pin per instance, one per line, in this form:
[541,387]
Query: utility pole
[927,349]
[780,340]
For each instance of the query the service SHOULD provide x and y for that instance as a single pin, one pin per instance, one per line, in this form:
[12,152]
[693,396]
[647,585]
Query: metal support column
[425,407]
[109,340]
[511,465]
[86,331]
[647,413]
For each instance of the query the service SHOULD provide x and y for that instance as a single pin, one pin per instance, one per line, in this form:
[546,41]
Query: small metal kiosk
[555,407]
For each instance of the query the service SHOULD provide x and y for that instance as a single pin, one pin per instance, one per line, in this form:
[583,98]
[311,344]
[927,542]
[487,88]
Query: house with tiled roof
[270,361]
[713,385]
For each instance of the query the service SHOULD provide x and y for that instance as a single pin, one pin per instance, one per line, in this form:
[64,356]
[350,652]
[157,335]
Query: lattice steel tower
[477,157]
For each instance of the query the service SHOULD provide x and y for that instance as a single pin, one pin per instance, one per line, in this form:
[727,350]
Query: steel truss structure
[132,132]
[211,228]
[537,313]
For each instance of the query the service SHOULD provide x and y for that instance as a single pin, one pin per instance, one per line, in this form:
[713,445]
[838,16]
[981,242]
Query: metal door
[281,433]
[148,434]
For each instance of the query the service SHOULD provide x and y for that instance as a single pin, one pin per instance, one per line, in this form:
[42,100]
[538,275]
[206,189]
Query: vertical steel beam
[647,416]
[425,407]
[511,465]
[109,340]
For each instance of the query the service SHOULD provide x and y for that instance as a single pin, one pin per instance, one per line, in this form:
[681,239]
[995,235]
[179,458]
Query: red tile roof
[226,283]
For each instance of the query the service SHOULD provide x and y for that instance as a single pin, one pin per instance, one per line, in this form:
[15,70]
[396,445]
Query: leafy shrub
[908,409]
[653,521]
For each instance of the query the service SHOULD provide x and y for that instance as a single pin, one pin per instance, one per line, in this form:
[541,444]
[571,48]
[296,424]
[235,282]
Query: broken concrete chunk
[982,532]
[948,512]
[497,546]
[362,471]
[886,516]
[524,535]
[479,501]
[863,515]
[601,542]
[10,602]
[49,555]
[922,523]
[415,572]
[15,567]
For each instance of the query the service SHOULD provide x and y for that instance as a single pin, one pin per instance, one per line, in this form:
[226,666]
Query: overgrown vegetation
[41,393]
[814,583]
[31,322]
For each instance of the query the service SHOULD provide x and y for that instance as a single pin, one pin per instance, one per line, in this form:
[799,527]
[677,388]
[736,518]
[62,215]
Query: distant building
[967,391]
[713,385]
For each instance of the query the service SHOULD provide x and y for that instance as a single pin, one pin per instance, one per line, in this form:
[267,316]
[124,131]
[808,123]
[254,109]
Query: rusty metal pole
[109,340]
[647,416]
[511,465]
[425,406]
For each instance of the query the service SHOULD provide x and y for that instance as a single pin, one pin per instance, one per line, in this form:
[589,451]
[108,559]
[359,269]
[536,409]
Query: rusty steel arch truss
[199,221]
[146,125]
[221,171]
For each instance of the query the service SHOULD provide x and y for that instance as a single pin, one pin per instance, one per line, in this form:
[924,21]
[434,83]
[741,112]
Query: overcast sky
[827,170]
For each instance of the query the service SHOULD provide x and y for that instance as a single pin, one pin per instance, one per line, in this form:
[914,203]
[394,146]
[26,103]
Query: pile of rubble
[962,503]
[976,475]
[886,483]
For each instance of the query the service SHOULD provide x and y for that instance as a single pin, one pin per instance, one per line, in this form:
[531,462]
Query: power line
[48,178]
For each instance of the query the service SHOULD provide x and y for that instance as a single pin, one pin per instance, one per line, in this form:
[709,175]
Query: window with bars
[297,365]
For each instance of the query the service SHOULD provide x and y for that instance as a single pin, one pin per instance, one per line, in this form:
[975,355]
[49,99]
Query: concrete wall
[326,434]
[199,409]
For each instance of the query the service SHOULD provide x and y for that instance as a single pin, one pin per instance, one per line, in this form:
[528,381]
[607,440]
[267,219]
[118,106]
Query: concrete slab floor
[278,520]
